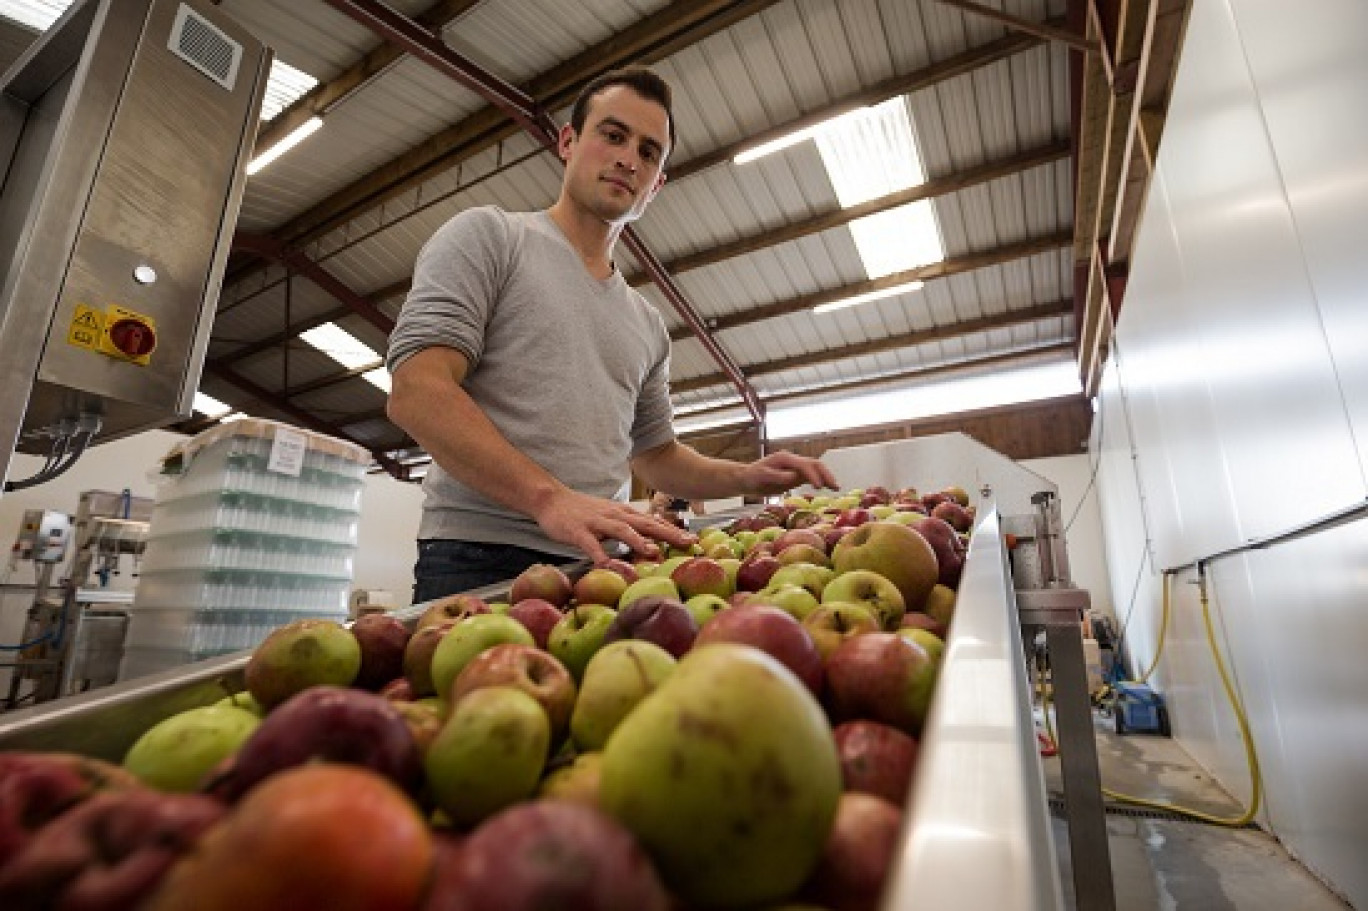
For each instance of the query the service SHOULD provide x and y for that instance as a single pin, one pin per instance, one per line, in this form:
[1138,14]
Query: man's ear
[659,182]
[564,141]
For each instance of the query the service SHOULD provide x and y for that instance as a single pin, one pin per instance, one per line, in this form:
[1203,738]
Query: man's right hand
[585,522]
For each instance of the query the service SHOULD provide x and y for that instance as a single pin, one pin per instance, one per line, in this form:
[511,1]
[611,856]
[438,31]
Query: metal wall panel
[1238,379]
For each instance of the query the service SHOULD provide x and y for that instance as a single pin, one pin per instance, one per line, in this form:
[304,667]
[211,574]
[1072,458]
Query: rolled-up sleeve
[456,282]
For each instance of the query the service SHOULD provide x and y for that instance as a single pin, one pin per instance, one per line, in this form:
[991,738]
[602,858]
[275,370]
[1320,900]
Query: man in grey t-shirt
[538,379]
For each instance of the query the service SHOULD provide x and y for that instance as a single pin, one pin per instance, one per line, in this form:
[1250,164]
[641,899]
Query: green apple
[499,607]
[794,600]
[940,604]
[617,679]
[660,584]
[821,501]
[646,568]
[747,540]
[579,635]
[732,566]
[881,511]
[771,533]
[244,700]
[728,775]
[868,588]
[833,623]
[489,755]
[705,607]
[176,754]
[578,782]
[706,536]
[934,645]
[810,576]
[669,565]
[466,640]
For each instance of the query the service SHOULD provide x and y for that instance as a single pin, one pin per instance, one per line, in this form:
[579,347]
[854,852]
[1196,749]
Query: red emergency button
[133,337]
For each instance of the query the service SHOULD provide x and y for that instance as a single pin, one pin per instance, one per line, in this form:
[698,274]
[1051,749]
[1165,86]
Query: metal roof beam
[295,260]
[1074,40]
[1007,320]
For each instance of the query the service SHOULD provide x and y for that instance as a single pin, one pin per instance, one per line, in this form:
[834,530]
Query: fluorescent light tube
[303,132]
[209,406]
[790,139]
[868,296]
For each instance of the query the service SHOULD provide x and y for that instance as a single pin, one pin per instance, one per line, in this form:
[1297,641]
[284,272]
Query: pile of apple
[732,727]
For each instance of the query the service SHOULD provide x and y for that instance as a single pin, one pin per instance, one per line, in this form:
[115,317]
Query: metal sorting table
[977,832]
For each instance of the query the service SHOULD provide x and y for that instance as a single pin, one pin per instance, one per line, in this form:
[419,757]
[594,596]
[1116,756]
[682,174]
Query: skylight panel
[379,378]
[36,14]
[1006,387]
[209,406]
[340,345]
[284,87]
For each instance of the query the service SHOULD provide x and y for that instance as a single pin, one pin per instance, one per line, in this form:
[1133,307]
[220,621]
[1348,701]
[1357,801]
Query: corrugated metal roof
[796,57]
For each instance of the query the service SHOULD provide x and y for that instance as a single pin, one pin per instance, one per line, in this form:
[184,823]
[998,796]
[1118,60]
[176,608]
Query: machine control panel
[116,331]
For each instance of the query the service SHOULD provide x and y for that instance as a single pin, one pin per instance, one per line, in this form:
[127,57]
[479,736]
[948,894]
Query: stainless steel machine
[124,135]
[73,632]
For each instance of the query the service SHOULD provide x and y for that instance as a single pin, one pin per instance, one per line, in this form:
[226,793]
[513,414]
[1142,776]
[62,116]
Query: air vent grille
[206,47]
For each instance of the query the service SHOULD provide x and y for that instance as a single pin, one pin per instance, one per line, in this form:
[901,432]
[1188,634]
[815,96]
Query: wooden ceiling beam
[1007,320]
[944,268]
[1016,23]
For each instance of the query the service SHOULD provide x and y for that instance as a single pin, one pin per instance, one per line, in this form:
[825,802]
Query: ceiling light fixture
[210,407]
[301,133]
[868,296]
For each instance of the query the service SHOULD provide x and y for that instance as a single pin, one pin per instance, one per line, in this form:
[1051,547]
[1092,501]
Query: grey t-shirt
[573,371]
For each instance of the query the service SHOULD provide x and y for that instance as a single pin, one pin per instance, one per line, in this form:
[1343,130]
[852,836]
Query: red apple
[958,494]
[948,548]
[701,576]
[853,518]
[881,677]
[108,852]
[540,617]
[755,572]
[918,620]
[398,690]
[418,656]
[876,759]
[858,855]
[382,639]
[956,515]
[773,631]
[831,535]
[664,621]
[803,553]
[799,536]
[549,854]
[895,552]
[318,836]
[541,580]
[525,668]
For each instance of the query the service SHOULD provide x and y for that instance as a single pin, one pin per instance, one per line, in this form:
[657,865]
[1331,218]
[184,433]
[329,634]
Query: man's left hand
[782,471]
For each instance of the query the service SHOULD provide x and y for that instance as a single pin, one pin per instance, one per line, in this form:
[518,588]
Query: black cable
[43,477]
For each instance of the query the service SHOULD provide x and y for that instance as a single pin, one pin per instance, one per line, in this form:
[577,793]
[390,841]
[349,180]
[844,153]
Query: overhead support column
[524,109]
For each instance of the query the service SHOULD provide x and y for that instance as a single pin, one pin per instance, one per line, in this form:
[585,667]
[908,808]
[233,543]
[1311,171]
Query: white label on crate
[287,452]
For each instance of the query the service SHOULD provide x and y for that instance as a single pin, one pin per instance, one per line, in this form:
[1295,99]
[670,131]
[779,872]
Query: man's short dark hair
[639,79]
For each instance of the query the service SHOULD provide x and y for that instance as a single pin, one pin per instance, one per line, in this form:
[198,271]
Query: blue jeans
[448,567]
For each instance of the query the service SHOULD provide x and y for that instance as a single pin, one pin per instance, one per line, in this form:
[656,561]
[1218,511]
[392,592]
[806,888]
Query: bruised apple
[299,655]
[876,759]
[382,639]
[541,580]
[728,775]
[318,836]
[550,854]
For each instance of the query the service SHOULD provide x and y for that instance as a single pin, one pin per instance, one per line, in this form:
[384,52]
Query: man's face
[613,167]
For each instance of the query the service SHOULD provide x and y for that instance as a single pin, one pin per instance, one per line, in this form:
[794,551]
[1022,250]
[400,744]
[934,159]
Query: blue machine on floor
[1140,710]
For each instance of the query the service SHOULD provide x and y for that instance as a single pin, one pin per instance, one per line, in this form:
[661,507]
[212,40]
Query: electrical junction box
[44,535]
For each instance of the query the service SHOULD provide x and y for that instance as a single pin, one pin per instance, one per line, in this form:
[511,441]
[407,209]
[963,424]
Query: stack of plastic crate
[254,526]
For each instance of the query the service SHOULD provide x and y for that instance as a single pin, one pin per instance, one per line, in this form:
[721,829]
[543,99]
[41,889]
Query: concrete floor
[1164,864]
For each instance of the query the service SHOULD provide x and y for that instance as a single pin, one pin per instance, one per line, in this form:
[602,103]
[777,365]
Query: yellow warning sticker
[87,328]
